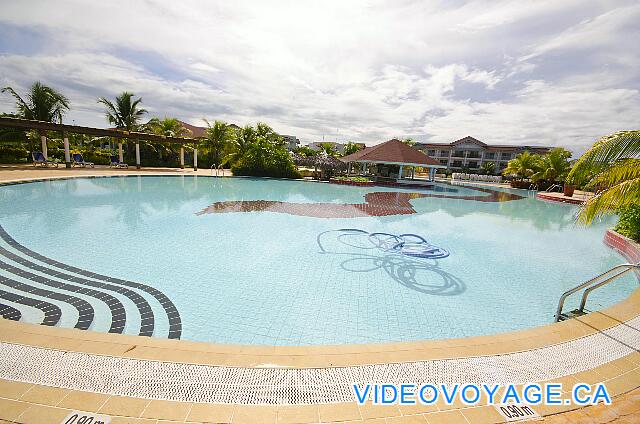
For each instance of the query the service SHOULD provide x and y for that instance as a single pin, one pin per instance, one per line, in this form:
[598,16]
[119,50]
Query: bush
[274,163]
[629,222]
[14,154]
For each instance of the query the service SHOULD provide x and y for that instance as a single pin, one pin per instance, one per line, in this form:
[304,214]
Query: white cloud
[538,73]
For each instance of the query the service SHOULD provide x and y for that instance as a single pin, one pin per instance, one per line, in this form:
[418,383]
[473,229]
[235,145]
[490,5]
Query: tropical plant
[260,152]
[409,141]
[305,151]
[329,149]
[168,127]
[239,144]
[125,114]
[612,168]
[351,148]
[488,167]
[218,136]
[523,166]
[553,166]
[42,103]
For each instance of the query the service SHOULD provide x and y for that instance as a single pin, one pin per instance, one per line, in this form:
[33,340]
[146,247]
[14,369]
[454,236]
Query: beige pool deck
[24,402]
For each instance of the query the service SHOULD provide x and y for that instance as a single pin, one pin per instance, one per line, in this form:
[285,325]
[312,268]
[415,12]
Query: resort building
[471,153]
[291,141]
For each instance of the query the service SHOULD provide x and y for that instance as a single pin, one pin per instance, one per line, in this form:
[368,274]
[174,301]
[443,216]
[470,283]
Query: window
[475,155]
[457,163]
[473,164]
[490,155]
[431,152]
[505,156]
[444,161]
[458,153]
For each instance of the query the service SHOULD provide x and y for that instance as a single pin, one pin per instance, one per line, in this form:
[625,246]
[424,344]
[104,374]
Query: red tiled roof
[392,151]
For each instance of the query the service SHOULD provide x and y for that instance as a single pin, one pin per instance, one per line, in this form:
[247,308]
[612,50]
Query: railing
[591,285]
[215,170]
[553,187]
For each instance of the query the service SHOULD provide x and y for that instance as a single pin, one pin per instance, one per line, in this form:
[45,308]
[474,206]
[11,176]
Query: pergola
[394,152]
[65,129]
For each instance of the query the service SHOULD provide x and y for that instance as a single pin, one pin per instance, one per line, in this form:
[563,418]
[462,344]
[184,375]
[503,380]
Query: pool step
[572,314]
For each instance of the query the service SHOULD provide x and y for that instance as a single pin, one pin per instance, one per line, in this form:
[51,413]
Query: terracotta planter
[568,190]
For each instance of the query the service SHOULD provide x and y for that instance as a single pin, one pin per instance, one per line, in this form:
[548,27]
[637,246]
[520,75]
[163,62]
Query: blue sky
[558,73]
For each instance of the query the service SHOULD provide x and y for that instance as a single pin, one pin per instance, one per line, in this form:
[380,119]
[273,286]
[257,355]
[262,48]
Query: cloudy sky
[557,72]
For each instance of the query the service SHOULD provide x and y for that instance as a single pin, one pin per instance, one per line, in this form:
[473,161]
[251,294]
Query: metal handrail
[553,187]
[593,284]
[218,168]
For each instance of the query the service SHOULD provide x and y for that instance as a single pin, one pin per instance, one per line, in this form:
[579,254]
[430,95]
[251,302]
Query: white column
[67,154]
[120,157]
[43,141]
[137,154]
[195,158]
[400,173]
[182,157]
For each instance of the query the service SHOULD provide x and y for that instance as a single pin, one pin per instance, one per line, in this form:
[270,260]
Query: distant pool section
[239,260]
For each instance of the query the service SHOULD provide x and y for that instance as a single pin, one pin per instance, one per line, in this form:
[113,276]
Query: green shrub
[274,162]
[14,154]
[629,222]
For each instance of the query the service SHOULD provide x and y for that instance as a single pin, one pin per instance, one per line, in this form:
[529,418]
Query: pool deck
[26,402]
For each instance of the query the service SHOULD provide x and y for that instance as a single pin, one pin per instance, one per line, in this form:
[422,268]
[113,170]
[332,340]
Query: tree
[523,166]
[305,151]
[329,149]
[125,114]
[553,166]
[488,168]
[351,148]
[612,167]
[409,141]
[42,103]
[218,137]
[168,127]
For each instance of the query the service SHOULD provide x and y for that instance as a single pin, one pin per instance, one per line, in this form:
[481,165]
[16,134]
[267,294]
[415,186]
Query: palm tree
[125,114]
[523,166]
[240,143]
[218,137]
[42,103]
[488,167]
[554,166]
[329,149]
[612,167]
[351,148]
[168,127]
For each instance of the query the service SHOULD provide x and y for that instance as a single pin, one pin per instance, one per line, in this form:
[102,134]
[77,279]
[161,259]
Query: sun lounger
[78,160]
[115,163]
[39,159]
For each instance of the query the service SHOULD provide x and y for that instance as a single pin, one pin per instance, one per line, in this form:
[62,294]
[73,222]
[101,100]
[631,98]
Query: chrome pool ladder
[589,286]
[216,170]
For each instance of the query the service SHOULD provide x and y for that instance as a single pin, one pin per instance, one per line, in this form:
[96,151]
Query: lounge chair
[79,161]
[115,163]
[39,159]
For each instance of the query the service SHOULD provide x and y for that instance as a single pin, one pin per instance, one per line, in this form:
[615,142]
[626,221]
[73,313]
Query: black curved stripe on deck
[146,313]
[9,312]
[175,322]
[118,313]
[84,308]
[52,313]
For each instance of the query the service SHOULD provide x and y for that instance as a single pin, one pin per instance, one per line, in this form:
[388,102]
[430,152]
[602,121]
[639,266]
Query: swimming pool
[238,260]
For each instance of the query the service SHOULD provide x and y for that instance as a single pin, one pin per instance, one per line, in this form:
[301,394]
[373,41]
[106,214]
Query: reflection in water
[377,203]
[423,276]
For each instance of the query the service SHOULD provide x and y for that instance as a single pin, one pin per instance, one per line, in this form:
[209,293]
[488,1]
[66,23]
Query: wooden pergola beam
[98,132]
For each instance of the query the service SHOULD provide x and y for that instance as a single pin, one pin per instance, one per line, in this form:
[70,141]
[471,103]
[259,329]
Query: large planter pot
[568,190]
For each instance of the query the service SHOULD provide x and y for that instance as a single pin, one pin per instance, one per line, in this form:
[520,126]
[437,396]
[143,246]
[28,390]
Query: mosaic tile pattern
[62,279]
[379,203]
[9,312]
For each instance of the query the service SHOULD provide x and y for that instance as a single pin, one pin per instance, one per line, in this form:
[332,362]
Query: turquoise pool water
[240,270]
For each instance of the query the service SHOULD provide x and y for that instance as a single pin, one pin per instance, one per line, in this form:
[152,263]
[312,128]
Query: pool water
[241,260]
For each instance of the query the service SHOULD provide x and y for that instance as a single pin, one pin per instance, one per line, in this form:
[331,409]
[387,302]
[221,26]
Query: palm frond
[608,201]
[622,170]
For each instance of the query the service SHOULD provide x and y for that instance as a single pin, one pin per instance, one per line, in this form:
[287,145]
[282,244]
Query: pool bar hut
[392,161]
